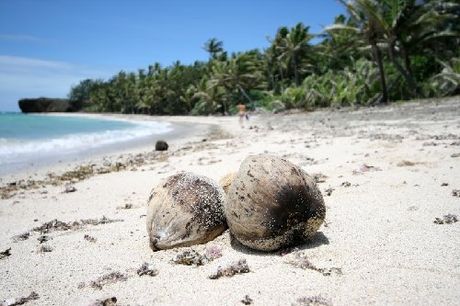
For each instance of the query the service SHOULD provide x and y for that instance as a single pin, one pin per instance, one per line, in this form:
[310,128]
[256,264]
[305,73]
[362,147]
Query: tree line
[381,51]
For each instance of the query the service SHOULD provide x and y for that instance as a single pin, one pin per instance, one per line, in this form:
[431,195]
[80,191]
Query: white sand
[380,231]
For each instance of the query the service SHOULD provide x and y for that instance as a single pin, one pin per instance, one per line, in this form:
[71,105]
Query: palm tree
[401,27]
[239,74]
[293,46]
[214,47]
[209,97]
[364,14]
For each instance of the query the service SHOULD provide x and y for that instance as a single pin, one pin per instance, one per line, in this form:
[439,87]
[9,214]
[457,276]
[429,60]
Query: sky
[46,46]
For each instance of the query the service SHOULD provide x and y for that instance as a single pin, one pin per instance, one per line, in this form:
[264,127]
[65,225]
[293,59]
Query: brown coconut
[272,204]
[184,210]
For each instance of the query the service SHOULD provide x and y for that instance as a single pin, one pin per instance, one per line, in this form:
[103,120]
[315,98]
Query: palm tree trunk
[378,58]
[407,76]
[296,72]
[244,93]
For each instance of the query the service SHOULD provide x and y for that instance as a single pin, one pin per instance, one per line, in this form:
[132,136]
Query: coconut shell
[226,181]
[184,210]
[273,204]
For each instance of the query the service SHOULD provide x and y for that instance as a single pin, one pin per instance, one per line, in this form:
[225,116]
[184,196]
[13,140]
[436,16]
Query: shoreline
[387,175]
[181,133]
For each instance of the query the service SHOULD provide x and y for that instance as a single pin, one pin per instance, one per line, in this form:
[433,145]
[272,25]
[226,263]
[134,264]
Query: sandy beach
[390,178]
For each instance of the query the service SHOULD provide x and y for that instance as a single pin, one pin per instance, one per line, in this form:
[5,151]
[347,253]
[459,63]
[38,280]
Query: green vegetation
[384,50]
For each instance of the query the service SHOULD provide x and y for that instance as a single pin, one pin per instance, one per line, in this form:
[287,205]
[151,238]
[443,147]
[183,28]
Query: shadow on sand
[318,240]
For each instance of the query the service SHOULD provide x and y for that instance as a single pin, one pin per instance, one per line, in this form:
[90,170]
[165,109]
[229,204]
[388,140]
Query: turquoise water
[22,126]
[28,139]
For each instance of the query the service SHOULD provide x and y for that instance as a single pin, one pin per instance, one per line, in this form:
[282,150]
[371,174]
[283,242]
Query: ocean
[31,139]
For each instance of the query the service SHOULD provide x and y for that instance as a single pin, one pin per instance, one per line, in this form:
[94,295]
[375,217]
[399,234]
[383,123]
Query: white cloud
[31,77]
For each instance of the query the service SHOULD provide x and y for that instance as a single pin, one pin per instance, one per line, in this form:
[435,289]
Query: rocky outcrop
[44,105]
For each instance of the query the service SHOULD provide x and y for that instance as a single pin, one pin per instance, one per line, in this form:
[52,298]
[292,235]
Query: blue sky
[48,45]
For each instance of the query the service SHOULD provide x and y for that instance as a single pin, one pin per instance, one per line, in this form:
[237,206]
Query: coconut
[226,181]
[184,210]
[273,204]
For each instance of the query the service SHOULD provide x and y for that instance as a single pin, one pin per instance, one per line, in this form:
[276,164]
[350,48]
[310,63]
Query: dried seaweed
[236,267]
[90,238]
[44,249]
[301,261]
[56,225]
[112,301]
[108,279]
[147,269]
[406,163]
[447,219]
[193,258]
[20,301]
[247,300]
[316,300]
[189,258]
[21,237]
[346,184]
[328,191]
[319,177]
[5,254]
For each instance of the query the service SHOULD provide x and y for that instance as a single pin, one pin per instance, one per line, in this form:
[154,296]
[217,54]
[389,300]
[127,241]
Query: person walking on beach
[242,113]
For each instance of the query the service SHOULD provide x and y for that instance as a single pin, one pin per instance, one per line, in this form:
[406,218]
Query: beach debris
[430,144]
[366,168]
[5,254]
[161,145]
[447,219]
[406,163]
[57,225]
[189,258]
[183,210]
[346,184]
[147,269]
[21,237]
[328,191]
[301,261]
[108,279]
[20,301]
[112,301]
[234,268]
[43,238]
[213,252]
[44,248]
[456,193]
[455,155]
[319,177]
[69,188]
[53,225]
[444,184]
[89,238]
[316,300]
[247,300]
[126,206]
[273,204]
